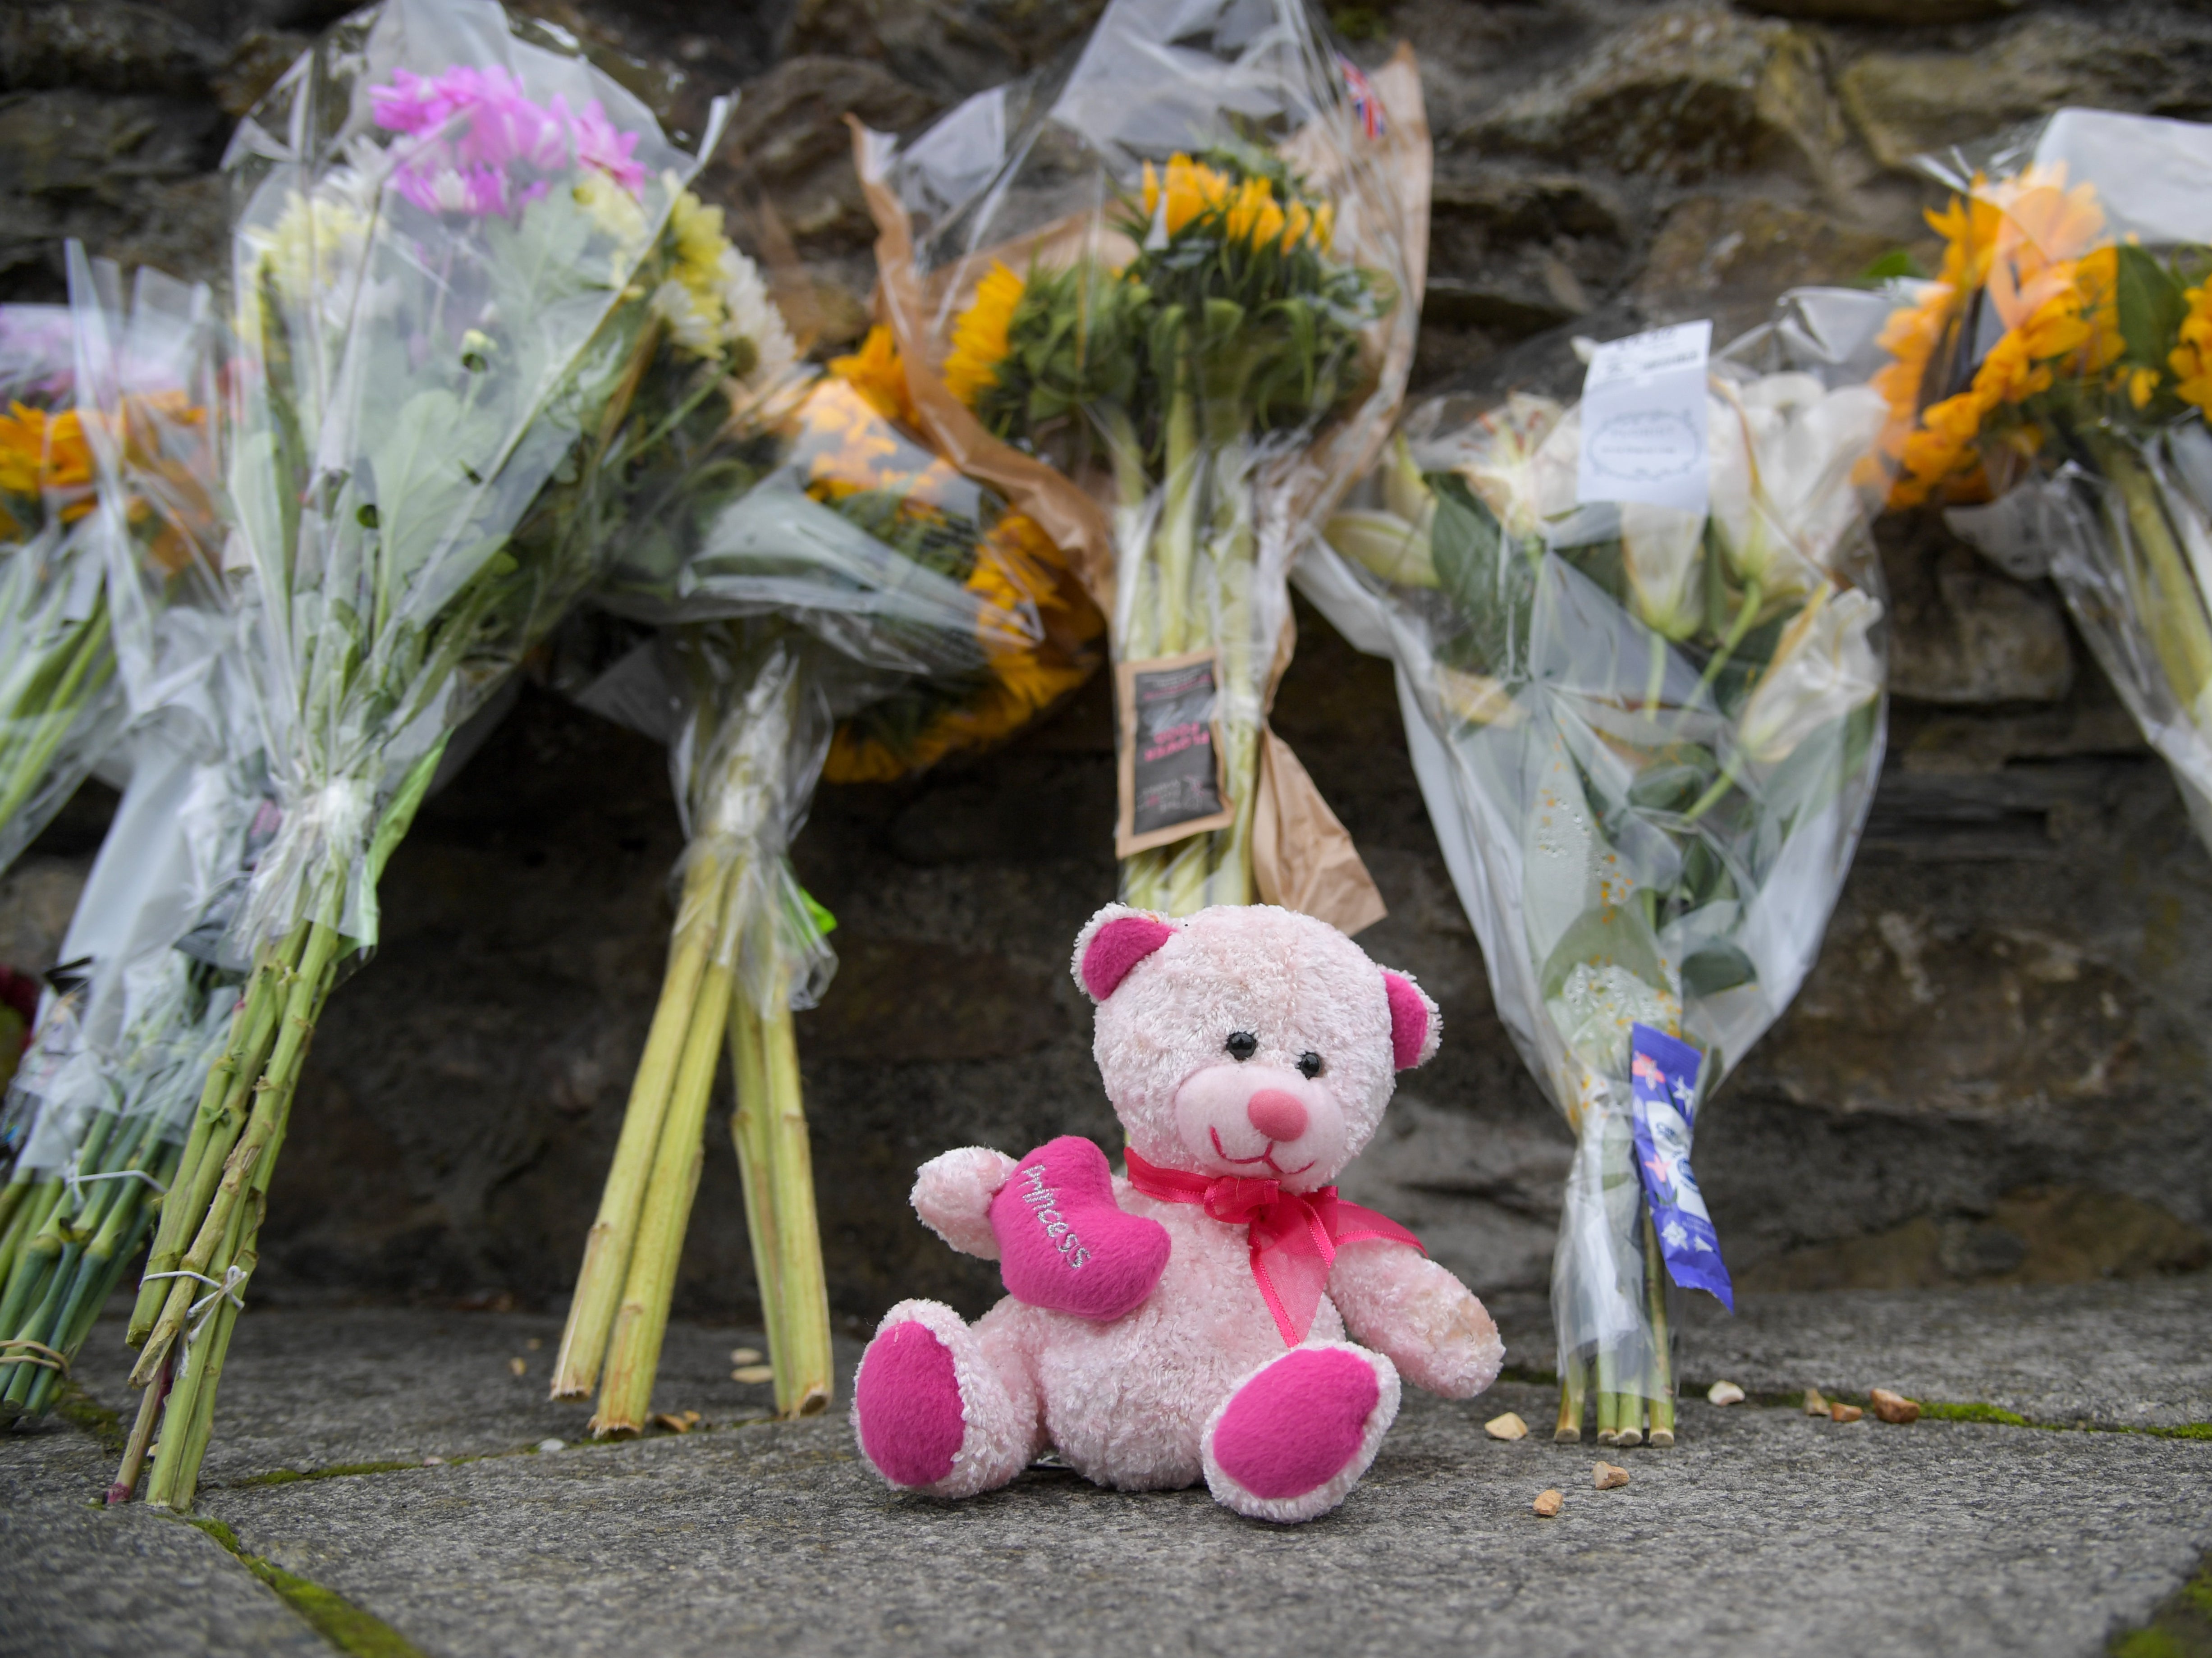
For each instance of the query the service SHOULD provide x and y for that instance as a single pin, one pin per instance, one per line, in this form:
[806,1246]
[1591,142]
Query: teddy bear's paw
[1065,1244]
[928,1411]
[1293,1438]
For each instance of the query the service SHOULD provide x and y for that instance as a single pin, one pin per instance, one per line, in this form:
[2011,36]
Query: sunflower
[876,371]
[980,337]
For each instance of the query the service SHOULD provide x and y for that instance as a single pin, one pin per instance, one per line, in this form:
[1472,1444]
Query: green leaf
[2151,308]
[1717,967]
[1484,574]
[1897,263]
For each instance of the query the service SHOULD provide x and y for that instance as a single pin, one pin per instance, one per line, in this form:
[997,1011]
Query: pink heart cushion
[1065,1244]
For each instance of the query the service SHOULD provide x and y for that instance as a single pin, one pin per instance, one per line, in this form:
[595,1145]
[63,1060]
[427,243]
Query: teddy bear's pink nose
[1278,1115]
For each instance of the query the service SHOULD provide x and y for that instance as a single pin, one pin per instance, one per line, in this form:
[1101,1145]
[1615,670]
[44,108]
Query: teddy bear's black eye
[1241,1045]
[1310,1064]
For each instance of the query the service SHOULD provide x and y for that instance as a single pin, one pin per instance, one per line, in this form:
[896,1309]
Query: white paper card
[1644,420]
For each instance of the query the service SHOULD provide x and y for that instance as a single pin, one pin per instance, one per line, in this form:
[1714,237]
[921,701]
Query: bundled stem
[607,1247]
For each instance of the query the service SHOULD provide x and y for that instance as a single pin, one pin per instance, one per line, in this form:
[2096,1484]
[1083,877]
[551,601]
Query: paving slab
[1762,1532]
[311,1388]
[2135,1355]
[78,1578]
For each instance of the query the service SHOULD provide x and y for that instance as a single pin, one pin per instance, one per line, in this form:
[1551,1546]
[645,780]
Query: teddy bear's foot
[929,1412]
[1293,1438]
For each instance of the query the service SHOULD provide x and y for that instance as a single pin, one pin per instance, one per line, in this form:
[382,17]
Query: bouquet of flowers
[96,1119]
[862,575]
[1639,645]
[2054,380]
[1173,320]
[90,1131]
[104,526]
[476,303]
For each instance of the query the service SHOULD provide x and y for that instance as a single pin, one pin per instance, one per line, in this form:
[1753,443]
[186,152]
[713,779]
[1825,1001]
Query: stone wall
[1997,1072]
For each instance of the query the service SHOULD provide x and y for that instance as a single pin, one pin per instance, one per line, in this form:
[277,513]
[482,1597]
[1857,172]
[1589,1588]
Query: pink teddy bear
[1191,1320]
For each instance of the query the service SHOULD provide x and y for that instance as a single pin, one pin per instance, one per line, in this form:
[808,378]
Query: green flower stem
[89,1238]
[305,990]
[29,1223]
[1722,785]
[2165,593]
[89,666]
[216,1127]
[1662,1360]
[188,1414]
[608,1246]
[1656,680]
[641,1321]
[1754,598]
[776,1164]
[19,1187]
[1574,1379]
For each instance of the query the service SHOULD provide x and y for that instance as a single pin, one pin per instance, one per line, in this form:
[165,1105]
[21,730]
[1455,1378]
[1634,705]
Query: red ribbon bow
[1294,1235]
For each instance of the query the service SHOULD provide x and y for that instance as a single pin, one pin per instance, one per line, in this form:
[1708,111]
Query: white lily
[1783,450]
[1661,549]
[1384,542]
[1824,667]
[1506,455]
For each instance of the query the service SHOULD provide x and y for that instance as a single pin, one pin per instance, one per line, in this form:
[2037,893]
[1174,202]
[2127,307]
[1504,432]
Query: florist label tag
[1644,420]
[1664,1073]
[1170,762]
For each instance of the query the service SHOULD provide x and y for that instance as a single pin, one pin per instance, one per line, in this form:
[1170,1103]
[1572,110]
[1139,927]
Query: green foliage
[1973,1412]
[2151,308]
[1890,267]
[1487,577]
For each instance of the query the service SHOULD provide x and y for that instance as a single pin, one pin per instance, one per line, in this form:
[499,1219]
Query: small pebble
[744,1355]
[1609,1475]
[1894,1408]
[433,1461]
[750,1373]
[535,1343]
[1508,1426]
[517,1366]
[1815,1404]
[1548,1504]
[1845,1413]
[552,1444]
[1724,1393]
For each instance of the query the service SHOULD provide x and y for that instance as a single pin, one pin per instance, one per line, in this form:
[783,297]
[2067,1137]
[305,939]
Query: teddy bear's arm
[1425,1321]
[952,1193]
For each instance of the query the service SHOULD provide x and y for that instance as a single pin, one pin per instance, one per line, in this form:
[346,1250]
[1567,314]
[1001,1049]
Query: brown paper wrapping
[1303,857]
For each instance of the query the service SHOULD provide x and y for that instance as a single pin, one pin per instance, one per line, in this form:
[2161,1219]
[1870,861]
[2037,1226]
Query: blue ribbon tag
[1664,1073]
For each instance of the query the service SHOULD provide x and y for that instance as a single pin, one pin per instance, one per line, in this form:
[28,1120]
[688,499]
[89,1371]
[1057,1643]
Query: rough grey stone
[1693,92]
[2132,1357]
[1761,1532]
[78,1580]
[309,1388]
[1907,103]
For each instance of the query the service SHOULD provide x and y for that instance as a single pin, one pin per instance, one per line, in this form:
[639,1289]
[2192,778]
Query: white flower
[750,315]
[1660,548]
[1385,543]
[689,326]
[1784,448]
[1824,667]
[1501,454]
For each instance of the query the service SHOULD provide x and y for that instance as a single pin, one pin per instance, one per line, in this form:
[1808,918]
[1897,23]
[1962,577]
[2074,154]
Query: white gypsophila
[689,324]
[1824,667]
[1597,1005]
[750,315]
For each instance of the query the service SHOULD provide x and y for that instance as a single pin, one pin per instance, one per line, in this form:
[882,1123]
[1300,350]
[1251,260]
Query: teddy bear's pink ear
[1416,1027]
[1114,940]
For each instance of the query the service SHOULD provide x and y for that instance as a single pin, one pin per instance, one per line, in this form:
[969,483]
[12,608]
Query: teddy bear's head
[1247,1040]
